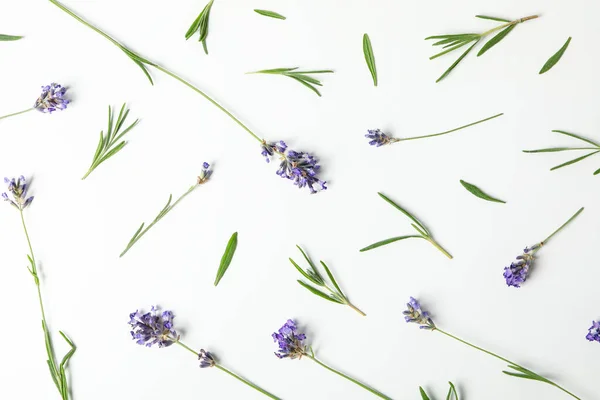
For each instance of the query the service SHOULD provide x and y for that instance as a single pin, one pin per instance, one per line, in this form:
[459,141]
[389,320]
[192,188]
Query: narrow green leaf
[268,13]
[450,49]
[332,279]
[492,18]
[54,377]
[309,261]
[479,193]
[305,274]
[388,241]
[273,71]
[596,172]
[194,27]
[452,391]
[423,394]
[495,40]
[574,160]
[555,58]
[577,137]
[461,35]
[308,85]
[9,38]
[555,149]
[319,293]
[112,152]
[227,257]
[524,376]
[403,211]
[369,57]
[200,25]
[458,60]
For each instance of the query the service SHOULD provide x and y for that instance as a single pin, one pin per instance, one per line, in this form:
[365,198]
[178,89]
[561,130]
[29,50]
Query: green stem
[252,385]
[563,225]
[437,246]
[501,358]
[34,268]
[515,22]
[446,132]
[358,310]
[17,113]
[362,385]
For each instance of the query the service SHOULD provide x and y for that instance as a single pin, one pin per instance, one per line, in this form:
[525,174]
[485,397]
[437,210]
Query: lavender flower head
[153,328]
[378,138]
[18,189]
[594,332]
[206,359]
[415,314]
[291,343]
[205,173]
[518,271]
[52,98]
[297,166]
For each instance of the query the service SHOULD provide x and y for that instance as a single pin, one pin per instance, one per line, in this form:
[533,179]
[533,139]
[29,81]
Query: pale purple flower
[18,189]
[594,332]
[518,271]
[415,314]
[153,328]
[52,98]
[378,138]
[206,359]
[291,343]
[205,173]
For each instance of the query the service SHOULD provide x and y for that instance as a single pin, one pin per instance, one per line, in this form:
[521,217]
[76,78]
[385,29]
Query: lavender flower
[206,359]
[205,173]
[415,314]
[52,98]
[378,138]
[18,189]
[518,271]
[153,328]
[290,341]
[594,332]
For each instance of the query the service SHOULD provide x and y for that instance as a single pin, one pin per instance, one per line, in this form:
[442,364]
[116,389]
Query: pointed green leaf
[305,274]
[308,85]
[495,40]
[458,60]
[596,172]
[555,149]
[492,18]
[268,13]
[309,261]
[524,376]
[332,279]
[369,57]
[402,210]
[452,391]
[450,49]
[273,71]
[555,58]
[574,160]
[577,137]
[479,193]
[388,241]
[9,38]
[423,394]
[227,257]
[319,293]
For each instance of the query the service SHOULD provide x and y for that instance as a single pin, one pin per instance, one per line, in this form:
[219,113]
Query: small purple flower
[290,341]
[206,359]
[153,328]
[594,332]
[378,138]
[52,98]
[204,174]
[415,314]
[18,189]
[518,271]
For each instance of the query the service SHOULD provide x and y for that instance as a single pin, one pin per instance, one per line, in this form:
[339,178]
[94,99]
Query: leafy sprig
[302,77]
[592,148]
[200,25]
[452,393]
[9,38]
[555,58]
[423,232]
[450,43]
[271,14]
[227,257]
[106,145]
[315,277]
[370,57]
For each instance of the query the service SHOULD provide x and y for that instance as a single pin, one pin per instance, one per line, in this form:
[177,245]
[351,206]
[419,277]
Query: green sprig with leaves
[200,25]
[453,42]
[591,147]
[315,277]
[452,393]
[302,77]
[107,145]
[423,232]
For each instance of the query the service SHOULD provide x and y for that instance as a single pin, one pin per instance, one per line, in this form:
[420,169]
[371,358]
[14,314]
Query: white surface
[79,227]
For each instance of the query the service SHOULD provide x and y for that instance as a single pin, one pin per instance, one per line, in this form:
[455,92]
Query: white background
[79,227]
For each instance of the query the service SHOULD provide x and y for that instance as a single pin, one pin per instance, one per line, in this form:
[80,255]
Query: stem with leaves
[200,25]
[424,233]
[452,393]
[299,76]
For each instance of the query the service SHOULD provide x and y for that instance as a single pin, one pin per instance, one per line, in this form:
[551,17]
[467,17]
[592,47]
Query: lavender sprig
[52,99]
[377,138]
[417,225]
[157,328]
[302,77]
[301,165]
[415,314]
[18,191]
[291,345]
[314,276]
[518,271]
[594,332]
[204,176]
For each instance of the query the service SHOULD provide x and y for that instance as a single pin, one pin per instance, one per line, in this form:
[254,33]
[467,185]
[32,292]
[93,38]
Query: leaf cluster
[526,374]
[452,393]
[58,371]
[200,25]
[299,76]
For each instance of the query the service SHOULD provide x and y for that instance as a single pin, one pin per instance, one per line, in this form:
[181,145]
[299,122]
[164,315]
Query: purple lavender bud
[206,359]
[204,173]
[153,328]
[378,138]
[516,274]
[415,314]
[52,98]
[18,189]
[290,341]
[594,332]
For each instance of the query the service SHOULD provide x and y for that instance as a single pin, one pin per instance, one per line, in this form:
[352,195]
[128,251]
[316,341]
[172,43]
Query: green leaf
[451,49]
[332,279]
[305,274]
[577,137]
[319,293]
[495,40]
[268,13]
[452,391]
[309,261]
[479,193]
[200,25]
[369,57]
[9,38]
[458,60]
[554,149]
[274,71]
[555,58]
[596,172]
[388,241]
[423,394]
[574,160]
[492,18]
[308,85]
[403,211]
[524,376]
[227,257]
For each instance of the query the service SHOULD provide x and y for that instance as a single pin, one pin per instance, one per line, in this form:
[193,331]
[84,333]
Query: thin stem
[362,385]
[34,268]
[437,246]
[503,359]
[352,306]
[563,225]
[515,22]
[450,131]
[185,347]
[17,113]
